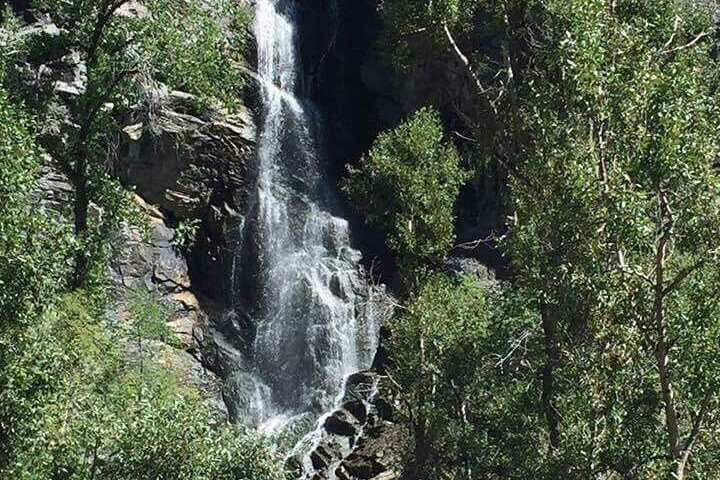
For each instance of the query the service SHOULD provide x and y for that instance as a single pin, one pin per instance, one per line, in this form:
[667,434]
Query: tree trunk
[662,343]
[552,352]
[81,205]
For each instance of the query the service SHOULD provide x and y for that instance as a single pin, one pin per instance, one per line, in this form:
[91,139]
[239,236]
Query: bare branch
[464,137]
[517,343]
[696,430]
[690,44]
[464,59]
[472,245]
[672,37]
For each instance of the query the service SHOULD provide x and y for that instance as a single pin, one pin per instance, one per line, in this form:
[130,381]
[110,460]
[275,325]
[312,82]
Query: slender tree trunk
[81,206]
[552,352]
[421,445]
[662,343]
[679,473]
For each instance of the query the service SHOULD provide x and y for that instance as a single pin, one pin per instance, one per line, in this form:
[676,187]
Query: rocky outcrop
[193,166]
[361,440]
[148,261]
[188,168]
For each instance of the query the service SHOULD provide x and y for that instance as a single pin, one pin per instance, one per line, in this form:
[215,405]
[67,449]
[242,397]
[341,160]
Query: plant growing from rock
[115,51]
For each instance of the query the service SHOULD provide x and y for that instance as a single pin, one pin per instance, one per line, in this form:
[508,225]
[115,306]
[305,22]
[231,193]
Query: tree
[488,44]
[120,52]
[607,125]
[612,215]
[462,356]
[407,184]
[32,245]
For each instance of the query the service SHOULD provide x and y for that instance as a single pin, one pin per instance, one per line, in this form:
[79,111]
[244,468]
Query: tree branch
[698,423]
[682,275]
[687,45]
[694,434]
[107,10]
[464,59]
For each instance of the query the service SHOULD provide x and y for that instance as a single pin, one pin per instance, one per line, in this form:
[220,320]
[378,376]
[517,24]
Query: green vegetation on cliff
[120,53]
[77,405]
[82,392]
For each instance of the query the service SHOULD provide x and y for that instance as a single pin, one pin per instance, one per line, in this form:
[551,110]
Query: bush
[407,184]
[73,406]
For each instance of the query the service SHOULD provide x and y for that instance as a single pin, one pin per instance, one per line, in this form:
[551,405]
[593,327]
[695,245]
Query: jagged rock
[473,268]
[342,422]
[193,166]
[54,189]
[376,446]
[188,300]
[183,161]
[357,409]
[151,262]
[329,451]
[184,326]
[380,453]
[73,76]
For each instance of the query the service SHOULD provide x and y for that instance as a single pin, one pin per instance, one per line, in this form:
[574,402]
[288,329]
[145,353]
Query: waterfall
[298,279]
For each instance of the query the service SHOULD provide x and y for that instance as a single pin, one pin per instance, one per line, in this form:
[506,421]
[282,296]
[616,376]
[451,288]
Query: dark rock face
[359,94]
[187,168]
[193,167]
[389,95]
[339,38]
[361,440]
[151,263]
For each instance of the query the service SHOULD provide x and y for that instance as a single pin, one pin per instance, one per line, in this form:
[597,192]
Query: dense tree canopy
[609,140]
[596,356]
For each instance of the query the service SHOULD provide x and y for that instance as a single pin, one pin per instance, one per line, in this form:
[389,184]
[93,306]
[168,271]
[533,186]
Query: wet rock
[343,423]
[377,447]
[357,409]
[380,453]
[327,453]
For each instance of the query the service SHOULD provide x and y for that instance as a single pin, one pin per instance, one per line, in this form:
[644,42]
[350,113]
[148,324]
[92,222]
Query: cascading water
[297,279]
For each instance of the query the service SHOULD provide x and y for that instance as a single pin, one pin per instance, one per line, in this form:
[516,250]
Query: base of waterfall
[358,439]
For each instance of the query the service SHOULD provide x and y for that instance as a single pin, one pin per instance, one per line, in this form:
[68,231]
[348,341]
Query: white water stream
[311,329]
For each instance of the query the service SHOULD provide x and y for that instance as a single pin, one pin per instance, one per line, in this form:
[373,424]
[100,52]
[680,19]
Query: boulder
[341,422]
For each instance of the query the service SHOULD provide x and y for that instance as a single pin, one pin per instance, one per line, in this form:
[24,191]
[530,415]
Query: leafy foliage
[32,265]
[408,184]
[612,220]
[460,355]
[202,53]
[80,397]
[610,143]
[73,406]
[409,22]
